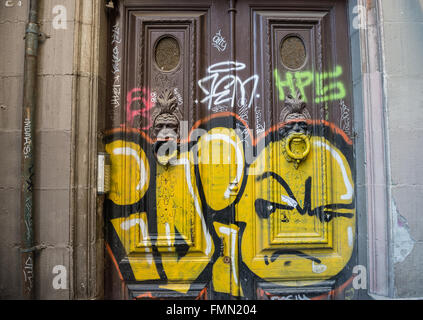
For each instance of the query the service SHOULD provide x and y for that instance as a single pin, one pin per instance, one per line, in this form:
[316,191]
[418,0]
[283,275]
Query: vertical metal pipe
[29,101]
[232,25]
[232,12]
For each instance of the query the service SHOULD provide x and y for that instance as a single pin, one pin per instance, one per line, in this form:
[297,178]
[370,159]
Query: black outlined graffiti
[154,211]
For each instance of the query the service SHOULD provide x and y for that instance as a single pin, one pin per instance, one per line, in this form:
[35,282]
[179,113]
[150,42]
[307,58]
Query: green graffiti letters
[326,88]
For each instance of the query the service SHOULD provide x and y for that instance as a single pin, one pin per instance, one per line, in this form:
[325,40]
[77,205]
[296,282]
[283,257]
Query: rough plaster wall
[52,144]
[403,76]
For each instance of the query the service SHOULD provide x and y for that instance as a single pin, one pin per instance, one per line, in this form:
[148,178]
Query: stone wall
[403,79]
[69,78]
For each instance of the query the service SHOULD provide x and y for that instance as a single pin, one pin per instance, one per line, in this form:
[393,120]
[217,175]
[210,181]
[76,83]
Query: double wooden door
[229,135]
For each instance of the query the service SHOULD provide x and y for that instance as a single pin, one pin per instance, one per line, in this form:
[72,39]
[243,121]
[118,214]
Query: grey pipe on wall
[32,35]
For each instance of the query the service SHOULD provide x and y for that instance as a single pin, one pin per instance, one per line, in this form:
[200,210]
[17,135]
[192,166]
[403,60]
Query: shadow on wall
[417,33]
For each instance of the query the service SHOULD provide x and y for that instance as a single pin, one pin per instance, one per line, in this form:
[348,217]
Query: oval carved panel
[293,52]
[167,53]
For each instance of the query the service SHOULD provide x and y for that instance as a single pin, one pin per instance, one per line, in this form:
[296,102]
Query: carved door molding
[254,197]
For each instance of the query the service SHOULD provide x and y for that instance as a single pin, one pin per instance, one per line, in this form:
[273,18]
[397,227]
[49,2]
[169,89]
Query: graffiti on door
[326,86]
[225,85]
[213,216]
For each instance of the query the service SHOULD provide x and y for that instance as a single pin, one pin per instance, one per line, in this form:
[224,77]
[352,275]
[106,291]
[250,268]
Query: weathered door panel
[157,233]
[299,231]
[165,50]
[231,159]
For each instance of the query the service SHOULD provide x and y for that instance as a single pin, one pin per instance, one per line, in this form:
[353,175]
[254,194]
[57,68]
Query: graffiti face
[212,218]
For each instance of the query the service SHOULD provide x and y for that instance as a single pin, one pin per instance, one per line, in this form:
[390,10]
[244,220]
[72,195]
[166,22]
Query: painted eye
[264,208]
[328,216]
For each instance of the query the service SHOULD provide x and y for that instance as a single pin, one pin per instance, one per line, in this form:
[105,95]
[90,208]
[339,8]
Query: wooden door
[231,153]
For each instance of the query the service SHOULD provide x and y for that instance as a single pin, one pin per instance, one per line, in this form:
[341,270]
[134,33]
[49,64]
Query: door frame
[89,88]
[373,197]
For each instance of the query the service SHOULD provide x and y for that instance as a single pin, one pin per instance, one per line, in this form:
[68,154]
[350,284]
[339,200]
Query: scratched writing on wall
[116,74]
[27,138]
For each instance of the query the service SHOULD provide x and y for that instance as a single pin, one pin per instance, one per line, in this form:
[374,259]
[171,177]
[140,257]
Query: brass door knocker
[296,148]
[296,133]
